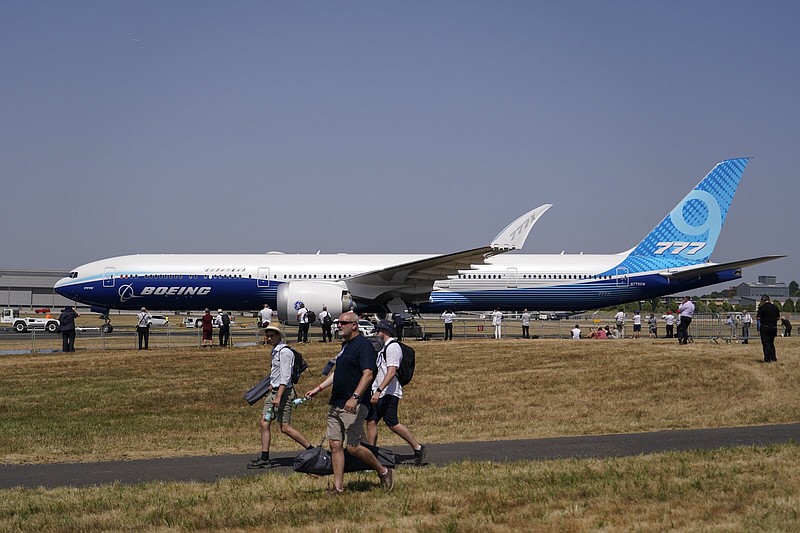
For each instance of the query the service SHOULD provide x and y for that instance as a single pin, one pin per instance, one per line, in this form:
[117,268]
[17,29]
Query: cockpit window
[73,275]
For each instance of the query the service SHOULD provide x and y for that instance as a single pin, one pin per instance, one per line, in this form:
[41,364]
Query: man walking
[387,392]
[767,314]
[143,327]
[355,370]
[278,401]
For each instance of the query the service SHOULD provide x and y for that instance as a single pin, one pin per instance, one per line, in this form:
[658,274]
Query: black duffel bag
[317,461]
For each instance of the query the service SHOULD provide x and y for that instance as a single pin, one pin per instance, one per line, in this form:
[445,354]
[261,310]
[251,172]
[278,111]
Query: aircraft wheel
[108,328]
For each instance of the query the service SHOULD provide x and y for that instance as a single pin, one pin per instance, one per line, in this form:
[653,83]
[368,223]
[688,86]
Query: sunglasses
[344,322]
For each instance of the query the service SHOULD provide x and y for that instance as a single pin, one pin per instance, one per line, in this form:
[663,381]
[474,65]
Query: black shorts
[637,327]
[386,408]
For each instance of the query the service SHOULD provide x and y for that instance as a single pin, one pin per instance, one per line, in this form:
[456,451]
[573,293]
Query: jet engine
[313,294]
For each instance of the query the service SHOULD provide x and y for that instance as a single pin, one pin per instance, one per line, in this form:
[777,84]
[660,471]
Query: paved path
[208,469]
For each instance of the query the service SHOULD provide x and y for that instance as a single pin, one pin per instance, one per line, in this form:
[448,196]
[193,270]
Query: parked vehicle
[42,310]
[23,324]
[159,320]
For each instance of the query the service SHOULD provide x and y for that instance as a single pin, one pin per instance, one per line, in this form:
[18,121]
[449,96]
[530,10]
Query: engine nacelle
[313,294]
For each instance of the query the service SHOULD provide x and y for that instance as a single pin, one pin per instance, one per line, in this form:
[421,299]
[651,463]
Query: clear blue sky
[249,126]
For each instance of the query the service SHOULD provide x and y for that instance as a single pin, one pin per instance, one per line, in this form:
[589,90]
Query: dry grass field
[124,404]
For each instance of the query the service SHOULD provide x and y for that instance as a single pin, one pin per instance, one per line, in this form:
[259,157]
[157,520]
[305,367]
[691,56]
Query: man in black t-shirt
[768,314]
[355,369]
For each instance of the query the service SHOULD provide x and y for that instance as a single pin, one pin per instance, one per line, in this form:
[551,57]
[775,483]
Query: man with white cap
[387,392]
[143,327]
[278,401]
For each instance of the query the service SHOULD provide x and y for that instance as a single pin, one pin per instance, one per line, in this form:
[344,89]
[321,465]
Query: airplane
[674,257]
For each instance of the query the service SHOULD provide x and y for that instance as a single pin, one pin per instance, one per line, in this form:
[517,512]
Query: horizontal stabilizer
[711,268]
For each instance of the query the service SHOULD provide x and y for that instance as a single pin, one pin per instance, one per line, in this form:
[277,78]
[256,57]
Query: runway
[211,468]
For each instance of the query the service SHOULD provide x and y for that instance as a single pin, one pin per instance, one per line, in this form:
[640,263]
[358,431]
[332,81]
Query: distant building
[31,289]
[750,293]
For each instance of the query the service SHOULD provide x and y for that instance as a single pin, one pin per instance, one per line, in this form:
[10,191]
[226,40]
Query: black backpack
[328,320]
[299,367]
[226,320]
[405,372]
[311,316]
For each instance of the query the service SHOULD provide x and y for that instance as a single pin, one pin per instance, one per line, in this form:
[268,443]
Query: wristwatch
[378,390]
[355,396]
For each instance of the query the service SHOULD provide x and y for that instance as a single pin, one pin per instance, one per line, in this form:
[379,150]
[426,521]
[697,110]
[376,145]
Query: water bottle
[270,414]
[328,367]
[300,401]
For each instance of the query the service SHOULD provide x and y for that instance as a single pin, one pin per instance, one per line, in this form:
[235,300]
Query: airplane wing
[417,277]
[711,268]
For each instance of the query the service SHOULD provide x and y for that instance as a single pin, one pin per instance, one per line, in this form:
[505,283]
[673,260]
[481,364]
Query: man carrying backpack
[326,320]
[278,401]
[387,391]
[223,322]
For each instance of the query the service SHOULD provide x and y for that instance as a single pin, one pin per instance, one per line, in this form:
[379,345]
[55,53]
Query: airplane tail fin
[688,234]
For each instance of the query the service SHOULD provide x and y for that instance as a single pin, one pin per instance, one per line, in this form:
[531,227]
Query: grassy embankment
[125,404]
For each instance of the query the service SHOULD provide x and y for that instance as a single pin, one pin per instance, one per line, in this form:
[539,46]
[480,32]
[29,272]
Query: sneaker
[333,491]
[260,463]
[419,455]
[387,480]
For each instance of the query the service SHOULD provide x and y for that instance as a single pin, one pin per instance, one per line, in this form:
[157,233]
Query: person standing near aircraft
[652,326]
[399,324]
[143,327]
[637,324]
[497,322]
[767,314]
[66,325]
[223,323]
[326,322]
[620,320]
[448,317]
[747,319]
[526,324]
[302,320]
[685,313]
[387,393]
[355,369]
[669,324]
[265,317]
[278,401]
[207,322]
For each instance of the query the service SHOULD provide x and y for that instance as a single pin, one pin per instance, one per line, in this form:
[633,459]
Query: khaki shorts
[346,427]
[284,412]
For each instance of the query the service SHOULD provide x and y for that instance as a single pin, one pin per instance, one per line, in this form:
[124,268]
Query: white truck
[23,324]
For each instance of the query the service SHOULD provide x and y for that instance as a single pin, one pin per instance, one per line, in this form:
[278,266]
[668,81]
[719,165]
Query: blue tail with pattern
[688,234]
